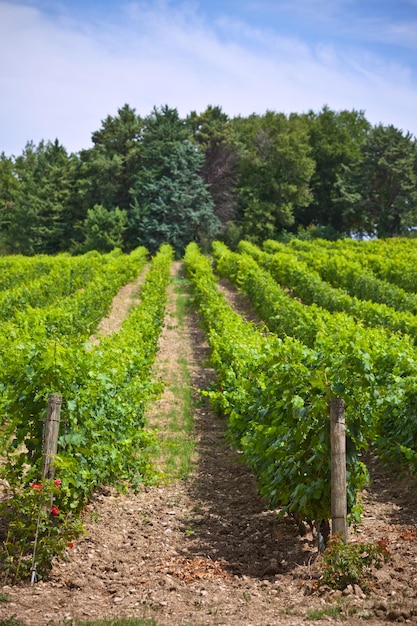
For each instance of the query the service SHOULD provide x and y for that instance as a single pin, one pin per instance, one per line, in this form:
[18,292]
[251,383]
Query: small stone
[308,590]
[394,615]
[348,590]
[358,591]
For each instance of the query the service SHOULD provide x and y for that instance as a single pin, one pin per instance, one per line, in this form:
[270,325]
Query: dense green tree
[40,220]
[109,167]
[379,191]
[212,132]
[170,200]
[103,229]
[166,179]
[336,139]
[9,189]
[275,172]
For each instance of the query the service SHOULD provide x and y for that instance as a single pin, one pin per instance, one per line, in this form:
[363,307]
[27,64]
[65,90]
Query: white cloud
[61,78]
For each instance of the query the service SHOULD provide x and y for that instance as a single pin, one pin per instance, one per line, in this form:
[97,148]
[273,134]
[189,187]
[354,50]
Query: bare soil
[206,549]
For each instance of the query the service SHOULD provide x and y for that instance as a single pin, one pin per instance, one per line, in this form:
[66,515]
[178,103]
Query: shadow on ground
[232,523]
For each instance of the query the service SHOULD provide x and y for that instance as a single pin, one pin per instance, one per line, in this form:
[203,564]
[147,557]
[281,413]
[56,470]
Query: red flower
[54,511]
[71,544]
[36,486]
[58,482]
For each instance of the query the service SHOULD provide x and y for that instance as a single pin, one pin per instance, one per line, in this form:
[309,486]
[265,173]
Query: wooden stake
[338,452]
[51,430]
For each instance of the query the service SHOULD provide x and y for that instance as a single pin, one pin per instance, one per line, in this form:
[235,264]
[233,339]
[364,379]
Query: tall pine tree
[171,202]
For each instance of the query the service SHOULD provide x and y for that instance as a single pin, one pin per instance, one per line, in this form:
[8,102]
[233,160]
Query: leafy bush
[352,563]
[37,529]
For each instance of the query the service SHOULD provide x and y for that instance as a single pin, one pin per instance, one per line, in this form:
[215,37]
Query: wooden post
[50,440]
[338,453]
[49,449]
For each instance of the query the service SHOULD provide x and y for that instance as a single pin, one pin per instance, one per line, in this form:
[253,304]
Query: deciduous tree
[379,191]
[212,132]
[275,172]
[336,139]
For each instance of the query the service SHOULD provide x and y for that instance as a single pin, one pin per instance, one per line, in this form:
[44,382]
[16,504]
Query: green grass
[327,611]
[4,597]
[10,621]
[177,445]
[131,621]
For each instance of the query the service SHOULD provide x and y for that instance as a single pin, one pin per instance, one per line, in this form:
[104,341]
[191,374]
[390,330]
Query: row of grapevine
[276,392]
[105,390]
[392,248]
[18,269]
[400,269]
[347,273]
[389,276]
[307,284]
[42,332]
[68,276]
[394,261]
[369,366]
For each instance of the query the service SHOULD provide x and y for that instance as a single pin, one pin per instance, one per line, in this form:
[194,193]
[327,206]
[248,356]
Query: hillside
[205,549]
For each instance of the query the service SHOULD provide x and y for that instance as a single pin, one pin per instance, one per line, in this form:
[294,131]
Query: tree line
[166,179]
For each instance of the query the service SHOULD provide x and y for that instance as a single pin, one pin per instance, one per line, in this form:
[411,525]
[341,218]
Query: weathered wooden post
[338,480]
[49,450]
[50,438]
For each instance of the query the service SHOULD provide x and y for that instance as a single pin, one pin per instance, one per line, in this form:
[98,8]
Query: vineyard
[322,342]
[46,349]
[335,320]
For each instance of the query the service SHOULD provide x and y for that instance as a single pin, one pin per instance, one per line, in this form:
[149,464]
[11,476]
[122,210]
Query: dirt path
[206,550]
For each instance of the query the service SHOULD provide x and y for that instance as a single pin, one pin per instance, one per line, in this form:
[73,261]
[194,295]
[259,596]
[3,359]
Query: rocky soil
[206,549]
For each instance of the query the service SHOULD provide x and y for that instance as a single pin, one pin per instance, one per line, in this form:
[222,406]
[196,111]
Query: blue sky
[67,64]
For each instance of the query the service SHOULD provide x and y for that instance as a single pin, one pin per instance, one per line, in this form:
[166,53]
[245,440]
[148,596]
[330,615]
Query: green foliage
[103,229]
[11,621]
[308,272]
[353,563]
[37,529]
[336,139]
[212,132]
[109,392]
[171,203]
[326,611]
[379,191]
[9,187]
[327,174]
[373,370]
[399,270]
[394,363]
[275,171]
[105,388]
[275,393]
[42,200]
[108,168]
[345,271]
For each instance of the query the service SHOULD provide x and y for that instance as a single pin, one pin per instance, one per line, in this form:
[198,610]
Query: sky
[65,65]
